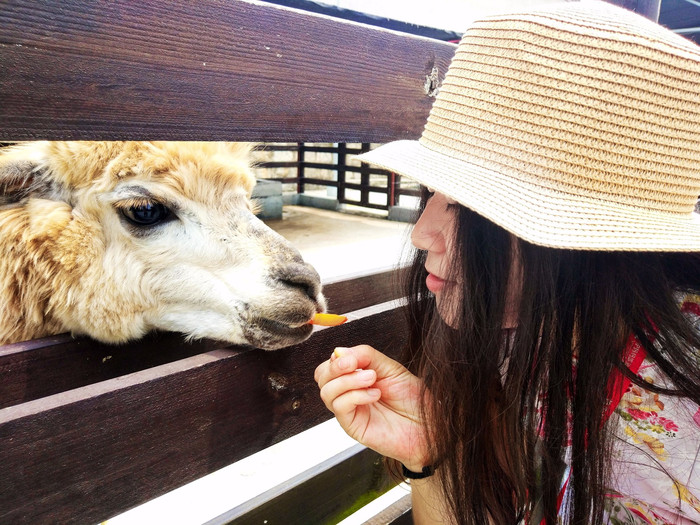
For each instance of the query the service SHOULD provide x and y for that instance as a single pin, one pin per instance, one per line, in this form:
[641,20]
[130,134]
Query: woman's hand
[377,402]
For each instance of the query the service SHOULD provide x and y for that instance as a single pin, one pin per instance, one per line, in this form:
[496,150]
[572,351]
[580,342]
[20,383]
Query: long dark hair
[500,399]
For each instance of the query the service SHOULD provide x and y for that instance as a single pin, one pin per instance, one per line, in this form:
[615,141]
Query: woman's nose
[429,232]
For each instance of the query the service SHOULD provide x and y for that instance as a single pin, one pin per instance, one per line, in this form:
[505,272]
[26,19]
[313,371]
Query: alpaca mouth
[271,334]
[278,327]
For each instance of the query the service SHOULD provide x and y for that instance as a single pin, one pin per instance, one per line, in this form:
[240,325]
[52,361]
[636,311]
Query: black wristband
[425,473]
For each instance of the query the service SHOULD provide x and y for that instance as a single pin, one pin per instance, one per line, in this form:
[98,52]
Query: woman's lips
[434,283]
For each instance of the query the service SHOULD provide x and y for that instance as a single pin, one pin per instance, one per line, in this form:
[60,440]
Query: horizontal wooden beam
[207,70]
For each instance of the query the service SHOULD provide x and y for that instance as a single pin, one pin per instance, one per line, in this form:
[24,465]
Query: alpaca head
[118,238]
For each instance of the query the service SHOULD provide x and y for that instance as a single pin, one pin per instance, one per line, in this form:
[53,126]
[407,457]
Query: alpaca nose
[301,276]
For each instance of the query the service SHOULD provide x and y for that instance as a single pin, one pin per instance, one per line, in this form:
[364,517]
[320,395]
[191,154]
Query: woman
[552,372]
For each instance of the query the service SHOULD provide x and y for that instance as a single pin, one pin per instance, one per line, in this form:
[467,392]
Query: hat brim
[537,214]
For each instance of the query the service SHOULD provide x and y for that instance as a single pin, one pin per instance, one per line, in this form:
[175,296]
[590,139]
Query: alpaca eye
[146,214]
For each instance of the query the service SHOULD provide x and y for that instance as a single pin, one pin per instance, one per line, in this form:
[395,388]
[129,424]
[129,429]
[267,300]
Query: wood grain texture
[41,367]
[33,369]
[86,454]
[355,292]
[207,70]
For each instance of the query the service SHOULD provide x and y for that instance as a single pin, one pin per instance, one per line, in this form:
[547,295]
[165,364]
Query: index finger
[322,374]
[367,356]
[342,361]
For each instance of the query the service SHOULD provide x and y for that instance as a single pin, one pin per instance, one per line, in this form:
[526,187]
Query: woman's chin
[447,310]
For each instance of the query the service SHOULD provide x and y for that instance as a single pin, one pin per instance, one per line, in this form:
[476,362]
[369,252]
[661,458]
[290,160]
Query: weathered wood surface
[351,293]
[207,70]
[89,453]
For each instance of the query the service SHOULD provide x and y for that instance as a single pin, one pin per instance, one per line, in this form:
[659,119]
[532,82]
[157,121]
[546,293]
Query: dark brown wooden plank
[41,367]
[33,369]
[326,493]
[96,451]
[207,70]
[355,292]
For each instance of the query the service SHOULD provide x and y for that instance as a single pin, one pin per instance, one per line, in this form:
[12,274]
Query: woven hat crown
[584,106]
[598,108]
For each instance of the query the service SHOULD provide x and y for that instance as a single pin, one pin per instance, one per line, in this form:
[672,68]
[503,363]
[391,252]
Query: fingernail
[339,351]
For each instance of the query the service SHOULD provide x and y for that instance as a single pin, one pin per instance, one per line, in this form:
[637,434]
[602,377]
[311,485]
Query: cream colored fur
[70,260]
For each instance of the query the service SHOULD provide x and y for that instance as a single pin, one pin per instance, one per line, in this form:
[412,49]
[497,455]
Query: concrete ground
[340,244]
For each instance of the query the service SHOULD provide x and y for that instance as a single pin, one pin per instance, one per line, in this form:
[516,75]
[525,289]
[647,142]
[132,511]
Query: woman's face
[434,233]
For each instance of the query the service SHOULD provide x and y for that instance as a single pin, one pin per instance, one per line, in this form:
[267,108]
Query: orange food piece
[328,319]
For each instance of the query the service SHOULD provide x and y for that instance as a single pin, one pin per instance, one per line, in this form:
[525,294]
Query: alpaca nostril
[306,288]
[303,277]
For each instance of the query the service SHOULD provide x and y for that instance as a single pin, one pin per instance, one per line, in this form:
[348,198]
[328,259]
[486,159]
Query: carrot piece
[328,319]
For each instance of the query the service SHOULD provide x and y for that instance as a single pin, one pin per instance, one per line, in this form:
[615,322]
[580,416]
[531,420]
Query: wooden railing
[88,431]
[355,183]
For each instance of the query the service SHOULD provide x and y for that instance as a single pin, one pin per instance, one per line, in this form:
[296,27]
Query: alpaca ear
[22,173]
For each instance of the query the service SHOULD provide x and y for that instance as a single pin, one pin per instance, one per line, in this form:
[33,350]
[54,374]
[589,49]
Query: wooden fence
[88,431]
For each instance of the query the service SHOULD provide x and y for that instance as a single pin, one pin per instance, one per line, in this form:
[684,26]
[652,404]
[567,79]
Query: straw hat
[573,126]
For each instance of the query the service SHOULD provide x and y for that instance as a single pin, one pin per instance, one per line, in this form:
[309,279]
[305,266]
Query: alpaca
[114,239]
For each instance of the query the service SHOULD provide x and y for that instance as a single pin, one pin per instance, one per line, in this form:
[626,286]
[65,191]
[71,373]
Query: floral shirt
[656,470]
